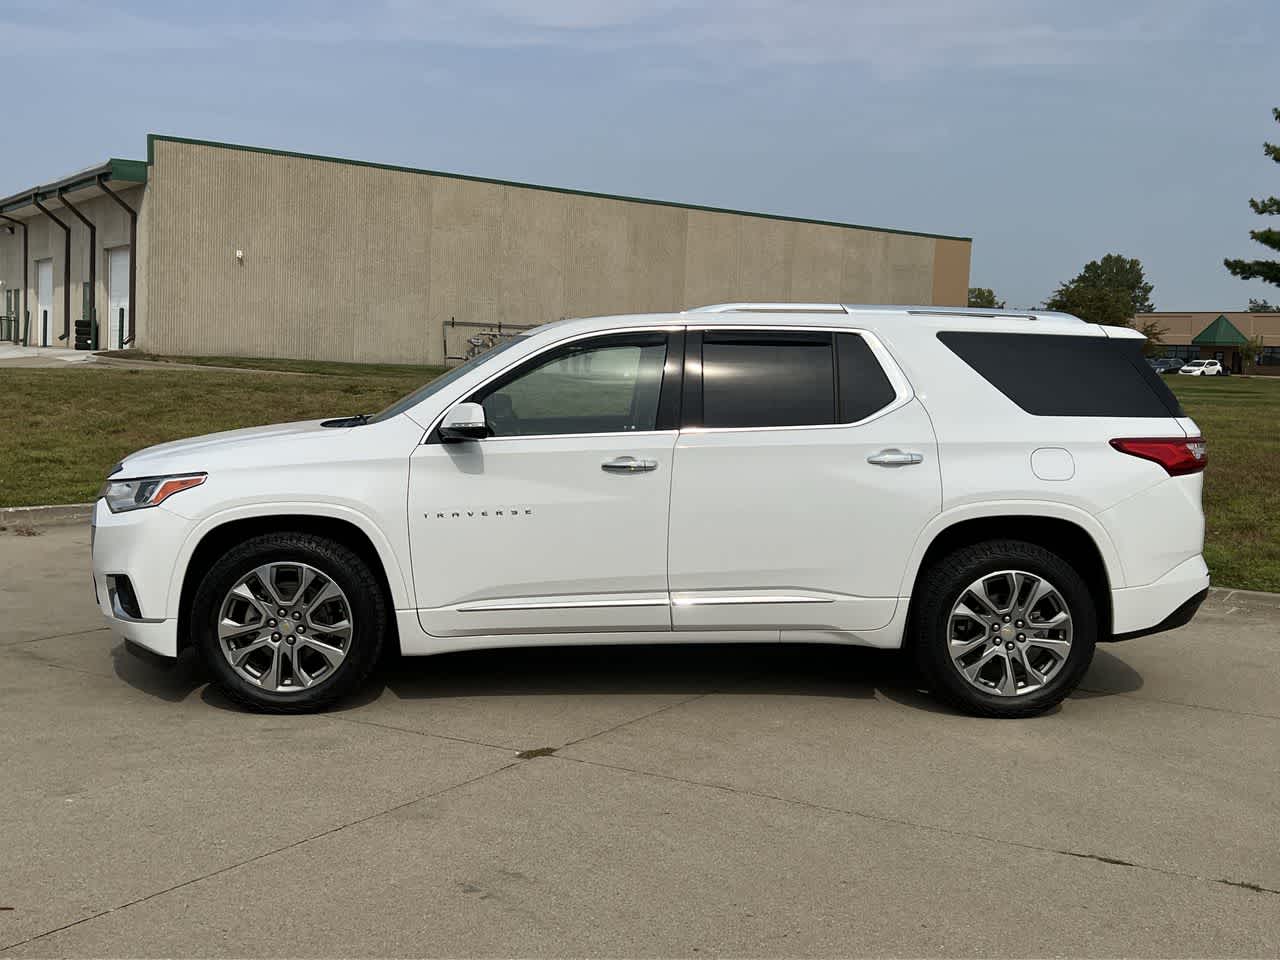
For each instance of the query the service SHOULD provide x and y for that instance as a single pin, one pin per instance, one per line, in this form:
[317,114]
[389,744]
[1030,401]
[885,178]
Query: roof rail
[911,311]
[769,308]
[991,314]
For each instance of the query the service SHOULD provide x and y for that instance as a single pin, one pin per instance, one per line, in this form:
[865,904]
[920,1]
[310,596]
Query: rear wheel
[289,622]
[1003,628]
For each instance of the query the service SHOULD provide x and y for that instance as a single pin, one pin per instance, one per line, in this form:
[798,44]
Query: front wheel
[1003,628]
[289,622]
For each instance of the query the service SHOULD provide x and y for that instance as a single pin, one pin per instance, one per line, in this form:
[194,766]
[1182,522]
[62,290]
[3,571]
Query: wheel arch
[216,538]
[1073,535]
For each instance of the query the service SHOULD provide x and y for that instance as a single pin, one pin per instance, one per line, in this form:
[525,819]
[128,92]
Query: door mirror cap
[464,421]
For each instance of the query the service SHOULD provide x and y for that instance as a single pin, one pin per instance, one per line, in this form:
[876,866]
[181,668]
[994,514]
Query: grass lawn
[68,426]
[1240,419]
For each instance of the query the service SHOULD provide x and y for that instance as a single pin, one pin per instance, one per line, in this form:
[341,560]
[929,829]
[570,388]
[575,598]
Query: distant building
[1219,336]
[217,249]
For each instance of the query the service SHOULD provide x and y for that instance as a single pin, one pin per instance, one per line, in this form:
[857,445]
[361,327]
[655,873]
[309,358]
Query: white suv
[993,491]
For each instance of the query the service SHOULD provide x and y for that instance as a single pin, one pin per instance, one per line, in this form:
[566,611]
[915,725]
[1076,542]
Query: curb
[1245,598]
[56,514]
[122,363]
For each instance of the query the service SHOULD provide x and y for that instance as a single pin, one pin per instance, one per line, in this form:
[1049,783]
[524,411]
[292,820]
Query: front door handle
[628,465]
[893,457]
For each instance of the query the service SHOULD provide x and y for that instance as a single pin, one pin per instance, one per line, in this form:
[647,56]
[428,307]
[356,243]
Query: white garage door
[117,297]
[44,303]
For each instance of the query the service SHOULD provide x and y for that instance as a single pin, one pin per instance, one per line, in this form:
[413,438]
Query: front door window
[608,385]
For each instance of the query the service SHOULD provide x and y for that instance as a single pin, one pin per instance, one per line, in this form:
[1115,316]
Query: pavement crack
[54,636]
[1117,862]
[932,828]
[1180,703]
[507,748]
[430,795]
[644,716]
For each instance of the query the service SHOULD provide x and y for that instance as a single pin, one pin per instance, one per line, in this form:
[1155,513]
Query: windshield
[439,383]
[1197,363]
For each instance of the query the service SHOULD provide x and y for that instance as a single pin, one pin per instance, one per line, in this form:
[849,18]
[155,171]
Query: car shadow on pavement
[804,670]
[172,680]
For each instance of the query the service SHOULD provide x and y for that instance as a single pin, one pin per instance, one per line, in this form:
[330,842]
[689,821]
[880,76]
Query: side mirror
[464,421]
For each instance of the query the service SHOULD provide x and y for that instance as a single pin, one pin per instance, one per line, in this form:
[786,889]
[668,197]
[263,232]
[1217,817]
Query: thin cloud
[886,35]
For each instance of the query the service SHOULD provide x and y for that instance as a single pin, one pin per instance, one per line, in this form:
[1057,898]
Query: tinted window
[864,388]
[1066,376]
[767,379]
[607,385]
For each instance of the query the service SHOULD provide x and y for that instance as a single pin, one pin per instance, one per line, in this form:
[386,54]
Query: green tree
[984,297]
[1111,290]
[1268,270]
[1253,350]
[1262,306]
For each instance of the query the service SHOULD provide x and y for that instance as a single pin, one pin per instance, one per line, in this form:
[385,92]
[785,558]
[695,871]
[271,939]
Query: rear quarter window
[1067,376]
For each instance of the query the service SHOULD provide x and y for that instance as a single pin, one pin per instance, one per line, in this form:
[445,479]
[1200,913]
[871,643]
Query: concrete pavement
[761,801]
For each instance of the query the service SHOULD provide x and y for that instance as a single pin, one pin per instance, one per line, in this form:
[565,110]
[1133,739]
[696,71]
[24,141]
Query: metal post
[93,268]
[120,327]
[133,260]
[66,265]
[26,271]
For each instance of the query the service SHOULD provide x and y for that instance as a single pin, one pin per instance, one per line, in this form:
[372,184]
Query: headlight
[122,495]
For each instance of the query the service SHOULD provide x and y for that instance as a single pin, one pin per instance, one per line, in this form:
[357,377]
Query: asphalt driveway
[762,801]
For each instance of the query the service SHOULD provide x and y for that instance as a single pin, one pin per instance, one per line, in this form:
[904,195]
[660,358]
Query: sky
[1051,132]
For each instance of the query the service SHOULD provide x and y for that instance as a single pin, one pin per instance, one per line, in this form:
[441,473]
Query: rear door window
[1050,375]
[784,378]
[767,379]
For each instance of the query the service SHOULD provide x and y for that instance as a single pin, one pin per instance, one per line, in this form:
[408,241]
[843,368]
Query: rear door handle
[893,457]
[628,465]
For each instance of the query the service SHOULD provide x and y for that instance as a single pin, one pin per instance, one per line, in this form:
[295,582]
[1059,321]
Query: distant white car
[993,491]
[1203,368]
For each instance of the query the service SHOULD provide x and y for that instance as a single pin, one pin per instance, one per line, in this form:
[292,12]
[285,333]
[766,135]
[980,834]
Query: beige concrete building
[1217,335]
[253,252]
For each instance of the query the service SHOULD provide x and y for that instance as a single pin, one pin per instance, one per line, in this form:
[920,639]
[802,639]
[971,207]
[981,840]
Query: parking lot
[762,801]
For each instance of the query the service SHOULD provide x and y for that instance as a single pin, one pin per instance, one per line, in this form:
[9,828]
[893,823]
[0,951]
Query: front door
[44,302]
[117,297]
[557,521]
[797,502]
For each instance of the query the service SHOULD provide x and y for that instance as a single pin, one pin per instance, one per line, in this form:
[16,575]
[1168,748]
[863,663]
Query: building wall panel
[353,262]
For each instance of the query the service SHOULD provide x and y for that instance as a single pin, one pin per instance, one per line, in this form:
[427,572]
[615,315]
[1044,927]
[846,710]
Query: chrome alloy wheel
[1009,633]
[285,627]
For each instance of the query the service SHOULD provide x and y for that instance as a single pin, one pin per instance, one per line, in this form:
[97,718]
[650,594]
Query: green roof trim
[1222,332]
[153,138]
[134,171]
[115,169]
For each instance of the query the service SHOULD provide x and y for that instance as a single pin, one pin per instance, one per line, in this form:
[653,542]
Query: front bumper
[141,545]
[1136,611]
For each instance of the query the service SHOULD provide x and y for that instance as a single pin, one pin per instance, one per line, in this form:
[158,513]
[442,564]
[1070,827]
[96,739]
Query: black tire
[364,593]
[939,588]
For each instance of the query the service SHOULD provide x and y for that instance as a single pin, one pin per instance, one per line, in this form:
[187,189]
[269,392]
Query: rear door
[803,474]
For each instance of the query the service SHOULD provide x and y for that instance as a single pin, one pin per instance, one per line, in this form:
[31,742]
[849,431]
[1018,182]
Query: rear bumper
[1163,604]
[1178,618]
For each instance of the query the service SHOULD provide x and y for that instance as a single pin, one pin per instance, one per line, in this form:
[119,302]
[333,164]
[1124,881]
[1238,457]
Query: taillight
[1178,455]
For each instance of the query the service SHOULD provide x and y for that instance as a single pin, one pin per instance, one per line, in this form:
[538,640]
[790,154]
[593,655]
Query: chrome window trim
[556,436]
[905,393]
